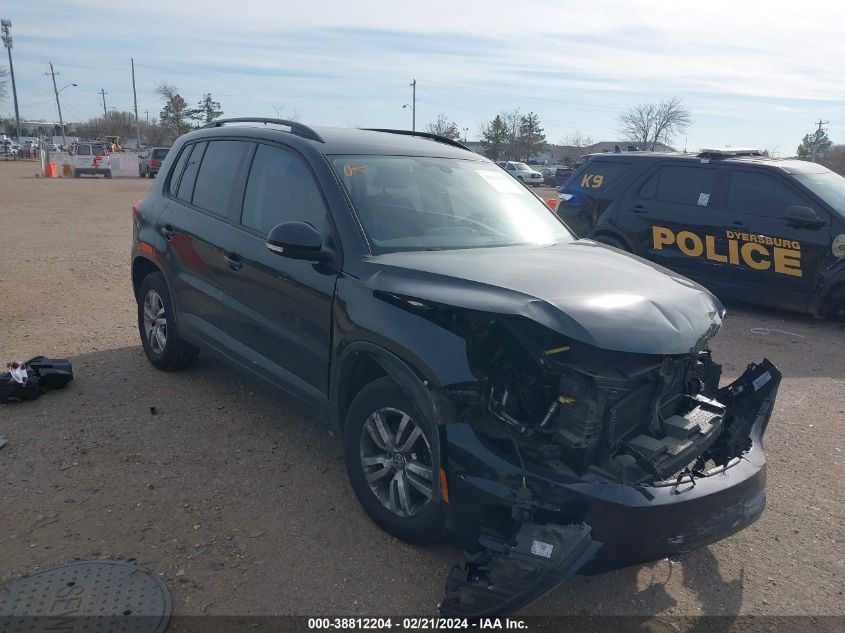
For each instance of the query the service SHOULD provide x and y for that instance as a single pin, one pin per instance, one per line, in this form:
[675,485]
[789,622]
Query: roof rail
[730,152]
[428,135]
[295,128]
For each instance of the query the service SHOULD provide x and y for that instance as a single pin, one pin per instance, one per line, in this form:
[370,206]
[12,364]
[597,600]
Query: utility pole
[6,29]
[147,116]
[53,74]
[820,123]
[103,93]
[414,105]
[135,99]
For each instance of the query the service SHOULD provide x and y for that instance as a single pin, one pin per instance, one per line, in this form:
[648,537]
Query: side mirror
[297,240]
[802,217]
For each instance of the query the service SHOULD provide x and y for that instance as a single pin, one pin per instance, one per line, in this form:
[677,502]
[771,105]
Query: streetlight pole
[6,28]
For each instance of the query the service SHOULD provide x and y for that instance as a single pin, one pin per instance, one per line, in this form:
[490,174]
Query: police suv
[744,225]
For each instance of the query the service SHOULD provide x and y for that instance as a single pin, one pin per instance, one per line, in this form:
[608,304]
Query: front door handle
[234,261]
[167,231]
[639,209]
[738,223]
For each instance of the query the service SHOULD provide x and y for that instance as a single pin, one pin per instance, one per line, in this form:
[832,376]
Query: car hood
[583,290]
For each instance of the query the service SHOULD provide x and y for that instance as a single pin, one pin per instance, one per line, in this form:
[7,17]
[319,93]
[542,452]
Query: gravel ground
[239,499]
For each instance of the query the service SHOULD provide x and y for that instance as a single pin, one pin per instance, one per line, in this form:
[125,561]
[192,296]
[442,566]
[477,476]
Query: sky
[752,73]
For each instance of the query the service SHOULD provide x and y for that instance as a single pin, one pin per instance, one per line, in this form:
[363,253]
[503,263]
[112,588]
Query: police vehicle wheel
[612,241]
[163,346]
[393,458]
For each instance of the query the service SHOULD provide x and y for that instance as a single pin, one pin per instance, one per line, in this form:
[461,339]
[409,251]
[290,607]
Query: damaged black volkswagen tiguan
[549,404]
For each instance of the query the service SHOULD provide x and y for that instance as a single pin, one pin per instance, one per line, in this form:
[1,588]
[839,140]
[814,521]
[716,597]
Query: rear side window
[83,150]
[760,194]
[598,175]
[160,153]
[178,168]
[281,188]
[186,183]
[217,174]
[681,185]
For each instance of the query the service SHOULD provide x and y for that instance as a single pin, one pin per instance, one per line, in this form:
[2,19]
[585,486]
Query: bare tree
[279,109]
[444,127]
[651,123]
[579,140]
[175,112]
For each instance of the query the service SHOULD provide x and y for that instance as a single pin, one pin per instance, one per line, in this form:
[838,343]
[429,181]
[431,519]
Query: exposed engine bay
[602,415]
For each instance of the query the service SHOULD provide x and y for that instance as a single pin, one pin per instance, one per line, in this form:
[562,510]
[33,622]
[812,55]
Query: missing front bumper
[618,524]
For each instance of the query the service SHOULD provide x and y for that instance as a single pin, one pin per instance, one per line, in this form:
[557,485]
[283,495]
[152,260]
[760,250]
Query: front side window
[421,203]
[281,188]
[217,174]
[760,194]
[828,186]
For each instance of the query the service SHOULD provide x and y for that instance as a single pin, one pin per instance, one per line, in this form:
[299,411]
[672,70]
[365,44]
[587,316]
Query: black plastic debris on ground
[3,441]
[27,381]
[90,596]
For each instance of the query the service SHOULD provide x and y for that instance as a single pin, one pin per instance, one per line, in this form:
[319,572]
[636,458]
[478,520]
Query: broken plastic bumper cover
[539,558]
[619,524]
[27,381]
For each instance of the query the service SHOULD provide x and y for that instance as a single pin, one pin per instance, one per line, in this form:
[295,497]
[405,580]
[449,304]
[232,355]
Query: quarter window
[217,174]
[682,185]
[281,188]
[760,194]
[189,177]
[177,169]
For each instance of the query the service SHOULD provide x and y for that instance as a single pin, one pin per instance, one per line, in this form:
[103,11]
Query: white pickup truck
[91,158]
[522,172]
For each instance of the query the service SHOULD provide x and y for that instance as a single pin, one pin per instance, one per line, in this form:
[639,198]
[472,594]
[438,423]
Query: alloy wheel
[155,322]
[397,462]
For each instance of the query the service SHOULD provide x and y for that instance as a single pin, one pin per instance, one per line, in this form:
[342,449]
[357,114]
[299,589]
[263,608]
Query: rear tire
[164,347]
[400,486]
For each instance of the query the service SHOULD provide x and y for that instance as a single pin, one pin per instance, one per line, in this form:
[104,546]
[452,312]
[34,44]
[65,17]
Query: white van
[91,158]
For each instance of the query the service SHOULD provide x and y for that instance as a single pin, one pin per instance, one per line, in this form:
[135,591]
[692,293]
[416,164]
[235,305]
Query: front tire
[160,337]
[393,458]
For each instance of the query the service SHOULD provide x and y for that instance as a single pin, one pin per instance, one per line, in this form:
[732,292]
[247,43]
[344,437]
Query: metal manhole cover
[86,597]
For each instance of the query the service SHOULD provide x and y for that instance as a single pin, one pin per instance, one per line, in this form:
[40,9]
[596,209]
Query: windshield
[828,186]
[420,203]
[522,167]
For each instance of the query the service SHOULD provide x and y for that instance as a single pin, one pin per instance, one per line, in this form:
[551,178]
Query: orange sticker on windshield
[353,169]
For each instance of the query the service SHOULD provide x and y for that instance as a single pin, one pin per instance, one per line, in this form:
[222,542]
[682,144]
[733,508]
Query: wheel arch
[362,362]
[616,235]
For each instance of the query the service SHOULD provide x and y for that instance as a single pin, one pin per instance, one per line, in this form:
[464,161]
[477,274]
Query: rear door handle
[639,209]
[234,261]
[167,231]
[738,223]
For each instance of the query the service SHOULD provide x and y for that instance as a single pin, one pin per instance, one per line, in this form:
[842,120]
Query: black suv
[744,225]
[550,403]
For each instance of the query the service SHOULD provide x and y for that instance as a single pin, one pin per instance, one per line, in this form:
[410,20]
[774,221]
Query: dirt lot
[239,498]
